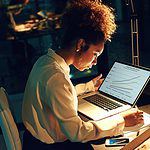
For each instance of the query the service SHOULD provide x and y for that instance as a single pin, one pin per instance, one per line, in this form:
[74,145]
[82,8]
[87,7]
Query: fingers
[134,118]
[138,118]
[134,111]
[100,76]
[140,121]
[139,113]
[97,81]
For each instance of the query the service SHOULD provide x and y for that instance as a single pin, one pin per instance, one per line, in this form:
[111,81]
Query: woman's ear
[80,44]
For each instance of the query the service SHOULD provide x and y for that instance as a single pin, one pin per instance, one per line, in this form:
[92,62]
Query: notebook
[119,91]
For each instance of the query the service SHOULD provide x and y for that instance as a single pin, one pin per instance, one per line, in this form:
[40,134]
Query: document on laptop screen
[125,82]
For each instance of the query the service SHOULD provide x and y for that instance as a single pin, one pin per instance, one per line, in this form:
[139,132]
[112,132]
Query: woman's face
[86,59]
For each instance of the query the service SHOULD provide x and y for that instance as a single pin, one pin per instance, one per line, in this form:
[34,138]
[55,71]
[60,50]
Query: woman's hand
[132,117]
[97,81]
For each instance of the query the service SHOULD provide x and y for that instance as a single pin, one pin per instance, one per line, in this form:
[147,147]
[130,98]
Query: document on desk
[139,126]
[136,142]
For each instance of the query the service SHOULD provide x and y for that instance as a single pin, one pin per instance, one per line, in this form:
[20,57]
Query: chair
[7,124]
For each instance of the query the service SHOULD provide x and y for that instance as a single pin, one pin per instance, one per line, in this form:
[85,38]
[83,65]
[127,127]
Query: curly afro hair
[88,19]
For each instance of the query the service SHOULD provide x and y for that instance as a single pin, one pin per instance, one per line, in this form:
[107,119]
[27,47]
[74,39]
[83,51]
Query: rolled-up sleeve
[84,88]
[62,100]
[111,126]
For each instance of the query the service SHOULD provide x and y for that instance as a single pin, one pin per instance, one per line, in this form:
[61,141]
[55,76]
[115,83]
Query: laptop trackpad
[90,110]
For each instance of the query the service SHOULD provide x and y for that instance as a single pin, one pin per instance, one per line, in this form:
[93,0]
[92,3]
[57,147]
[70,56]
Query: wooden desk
[143,146]
[145,108]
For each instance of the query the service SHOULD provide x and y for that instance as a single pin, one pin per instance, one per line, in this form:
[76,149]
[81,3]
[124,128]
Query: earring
[77,50]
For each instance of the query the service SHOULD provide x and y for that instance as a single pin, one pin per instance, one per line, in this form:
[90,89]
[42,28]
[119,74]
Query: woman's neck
[67,55]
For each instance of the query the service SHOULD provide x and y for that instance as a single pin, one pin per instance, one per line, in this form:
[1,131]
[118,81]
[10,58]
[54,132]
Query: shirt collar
[59,60]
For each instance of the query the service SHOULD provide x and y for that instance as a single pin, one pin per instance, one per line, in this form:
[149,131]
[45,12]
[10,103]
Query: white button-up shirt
[50,105]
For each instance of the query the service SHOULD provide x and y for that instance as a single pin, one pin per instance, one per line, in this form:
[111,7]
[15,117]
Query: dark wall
[17,57]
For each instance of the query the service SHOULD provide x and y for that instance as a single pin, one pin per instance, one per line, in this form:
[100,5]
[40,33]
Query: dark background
[18,52]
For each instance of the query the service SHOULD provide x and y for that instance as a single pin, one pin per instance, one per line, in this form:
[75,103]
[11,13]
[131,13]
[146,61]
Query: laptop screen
[125,82]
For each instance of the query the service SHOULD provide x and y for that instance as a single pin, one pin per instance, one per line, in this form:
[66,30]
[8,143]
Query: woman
[50,99]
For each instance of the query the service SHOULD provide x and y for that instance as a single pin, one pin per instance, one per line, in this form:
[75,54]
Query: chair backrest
[7,124]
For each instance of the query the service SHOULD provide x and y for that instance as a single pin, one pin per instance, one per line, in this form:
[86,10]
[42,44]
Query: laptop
[119,92]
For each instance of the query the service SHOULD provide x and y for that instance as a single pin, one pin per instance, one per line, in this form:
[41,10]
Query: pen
[136,107]
[138,133]
[120,142]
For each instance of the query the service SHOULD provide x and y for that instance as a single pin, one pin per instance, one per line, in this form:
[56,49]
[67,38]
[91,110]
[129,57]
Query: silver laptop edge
[94,112]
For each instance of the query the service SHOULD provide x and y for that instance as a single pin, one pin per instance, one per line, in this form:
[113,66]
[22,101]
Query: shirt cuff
[90,86]
[84,88]
[111,126]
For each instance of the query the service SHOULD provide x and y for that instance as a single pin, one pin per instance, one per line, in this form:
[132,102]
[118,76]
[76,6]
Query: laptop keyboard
[102,102]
